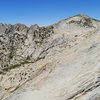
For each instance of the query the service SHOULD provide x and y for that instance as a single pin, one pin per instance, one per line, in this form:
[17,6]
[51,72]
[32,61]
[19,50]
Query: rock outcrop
[57,62]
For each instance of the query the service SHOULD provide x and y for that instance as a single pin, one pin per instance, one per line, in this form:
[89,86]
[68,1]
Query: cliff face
[57,62]
[20,44]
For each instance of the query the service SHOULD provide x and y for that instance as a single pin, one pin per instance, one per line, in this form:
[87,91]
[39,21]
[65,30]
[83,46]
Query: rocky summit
[56,62]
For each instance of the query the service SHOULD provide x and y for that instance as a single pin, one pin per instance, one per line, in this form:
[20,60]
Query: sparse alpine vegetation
[85,21]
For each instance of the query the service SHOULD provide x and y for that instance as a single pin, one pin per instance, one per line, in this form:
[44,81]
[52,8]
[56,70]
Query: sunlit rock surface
[57,62]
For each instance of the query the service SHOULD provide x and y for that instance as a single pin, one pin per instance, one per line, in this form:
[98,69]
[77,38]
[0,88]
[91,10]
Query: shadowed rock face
[57,62]
[19,43]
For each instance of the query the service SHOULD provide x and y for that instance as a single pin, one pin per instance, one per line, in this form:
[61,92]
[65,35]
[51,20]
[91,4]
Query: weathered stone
[57,62]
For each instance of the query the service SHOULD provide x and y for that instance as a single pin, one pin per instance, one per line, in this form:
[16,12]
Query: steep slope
[58,62]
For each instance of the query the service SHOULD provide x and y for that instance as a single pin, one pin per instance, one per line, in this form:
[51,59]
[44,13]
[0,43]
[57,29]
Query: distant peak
[82,15]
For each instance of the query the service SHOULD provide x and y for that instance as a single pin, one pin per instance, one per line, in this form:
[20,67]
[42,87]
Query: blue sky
[45,12]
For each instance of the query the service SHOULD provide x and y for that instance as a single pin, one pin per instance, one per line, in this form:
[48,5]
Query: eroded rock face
[20,44]
[58,62]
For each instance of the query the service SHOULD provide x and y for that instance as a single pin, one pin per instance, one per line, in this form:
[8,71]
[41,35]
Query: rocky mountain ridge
[57,62]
